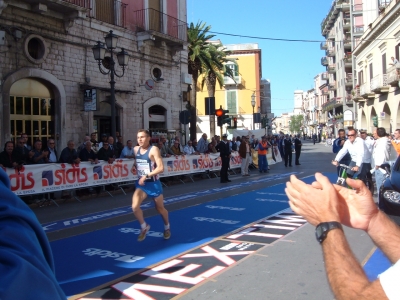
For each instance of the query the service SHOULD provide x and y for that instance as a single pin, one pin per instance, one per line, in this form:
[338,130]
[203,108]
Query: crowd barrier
[48,178]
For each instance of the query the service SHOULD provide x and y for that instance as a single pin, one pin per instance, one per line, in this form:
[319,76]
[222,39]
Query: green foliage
[295,123]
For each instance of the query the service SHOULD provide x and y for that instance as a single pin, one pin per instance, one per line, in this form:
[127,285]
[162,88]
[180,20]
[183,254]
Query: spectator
[93,139]
[8,157]
[87,154]
[69,154]
[194,144]
[83,145]
[254,145]
[165,150]
[120,144]
[105,153]
[39,156]
[22,154]
[262,155]
[189,150]
[179,141]
[395,63]
[396,141]
[176,149]
[127,152]
[238,141]
[251,140]
[52,151]
[26,145]
[338,145]
[211,148]
[104,138]
[202,144]
[245,154]
[380,155]
[113,147]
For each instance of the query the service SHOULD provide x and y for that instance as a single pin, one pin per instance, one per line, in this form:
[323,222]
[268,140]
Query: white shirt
[126,152]
[390,281]
[188,150]
[369,148]
[356,150]
[381,151]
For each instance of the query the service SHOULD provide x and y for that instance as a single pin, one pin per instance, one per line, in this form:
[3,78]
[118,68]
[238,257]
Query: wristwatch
[147,176]
[322,229]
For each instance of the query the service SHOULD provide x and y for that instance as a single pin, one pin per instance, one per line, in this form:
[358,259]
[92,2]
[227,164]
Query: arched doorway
[31,110]
[384,120]
[371,124]
[157,119]
[363,123]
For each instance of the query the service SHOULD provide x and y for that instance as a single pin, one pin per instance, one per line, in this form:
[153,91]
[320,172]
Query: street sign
[90,100]
[184,117]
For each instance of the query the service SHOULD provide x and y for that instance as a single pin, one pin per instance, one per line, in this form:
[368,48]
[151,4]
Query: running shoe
[167,234]
[143,233]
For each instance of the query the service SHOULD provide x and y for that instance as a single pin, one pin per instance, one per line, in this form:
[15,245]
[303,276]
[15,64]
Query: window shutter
[384,63]
[231,101]
[371,71]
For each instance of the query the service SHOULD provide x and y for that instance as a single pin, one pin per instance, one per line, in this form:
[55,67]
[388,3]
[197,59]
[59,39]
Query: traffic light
[264,122]
[225,118]
[234,123]
[222,118]
[375,121]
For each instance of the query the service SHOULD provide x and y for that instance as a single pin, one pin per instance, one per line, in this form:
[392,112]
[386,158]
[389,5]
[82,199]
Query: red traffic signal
[219,112]
[235,119]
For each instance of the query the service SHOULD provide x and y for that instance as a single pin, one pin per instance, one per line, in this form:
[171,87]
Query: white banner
[46,178]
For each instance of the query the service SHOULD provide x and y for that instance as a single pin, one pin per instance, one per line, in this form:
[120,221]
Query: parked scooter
[389,192]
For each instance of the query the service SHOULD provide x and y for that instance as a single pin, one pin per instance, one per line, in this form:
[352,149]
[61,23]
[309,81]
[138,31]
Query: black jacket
[288,145]
[68,156]
[224,149]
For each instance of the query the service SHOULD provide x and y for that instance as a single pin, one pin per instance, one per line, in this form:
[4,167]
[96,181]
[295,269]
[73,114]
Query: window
[384,63]
[231,102]
[360,77]
[371,71]
[234,67]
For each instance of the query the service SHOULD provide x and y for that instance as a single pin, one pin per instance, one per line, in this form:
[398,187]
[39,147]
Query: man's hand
[357,207]
[355,169]
[316,205]
[335,163]
[142,180]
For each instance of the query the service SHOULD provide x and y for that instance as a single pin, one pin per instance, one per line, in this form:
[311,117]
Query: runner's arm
[156,155]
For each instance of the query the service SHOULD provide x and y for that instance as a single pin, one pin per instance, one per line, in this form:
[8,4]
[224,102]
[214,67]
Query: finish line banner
[47,178]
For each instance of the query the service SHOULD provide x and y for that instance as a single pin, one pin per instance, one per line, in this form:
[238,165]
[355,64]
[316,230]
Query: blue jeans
[262,163]
[379,179]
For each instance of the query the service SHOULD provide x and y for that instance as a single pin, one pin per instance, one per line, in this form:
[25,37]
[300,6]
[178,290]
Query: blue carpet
[377,264]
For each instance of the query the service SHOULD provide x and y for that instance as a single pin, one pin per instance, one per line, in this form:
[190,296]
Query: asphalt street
[290,267]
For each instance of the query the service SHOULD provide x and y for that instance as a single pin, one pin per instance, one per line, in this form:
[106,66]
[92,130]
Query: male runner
[148,165]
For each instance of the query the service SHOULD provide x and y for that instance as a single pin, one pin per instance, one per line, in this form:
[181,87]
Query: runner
[148,165]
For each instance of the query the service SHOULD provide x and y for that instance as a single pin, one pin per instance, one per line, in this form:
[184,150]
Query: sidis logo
[73,174]
[47,178]
[21,180]
[181,165]
[97,172]
[117,170]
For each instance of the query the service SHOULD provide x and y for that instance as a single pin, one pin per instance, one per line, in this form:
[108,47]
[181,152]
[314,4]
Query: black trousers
[298,151]
[224,168]
[288,157]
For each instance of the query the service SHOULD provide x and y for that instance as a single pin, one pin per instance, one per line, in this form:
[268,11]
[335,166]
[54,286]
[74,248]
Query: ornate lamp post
[253,103]
[99,51]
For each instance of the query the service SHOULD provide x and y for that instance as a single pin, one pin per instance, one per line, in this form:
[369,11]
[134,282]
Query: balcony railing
[82,3]
[236,81]
[379,83]
[392,76]
[332,68]
[358,29]
[335,102]
[365,90]
[324,61]
[154,20]
[349,99]
[348,81]
[325,76]
[332,85]
[330,52]
[323,46]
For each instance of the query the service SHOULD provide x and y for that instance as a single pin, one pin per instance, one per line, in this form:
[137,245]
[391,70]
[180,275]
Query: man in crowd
[104,138]
[175,148]
[327,207]
[39,156]
[127,152]
[105,153]
[83,145]
[262,155]
[338,145]
[380,155]
[189,150]
[165,150]
[148,166]
[113,147]
[8,157]
[22,154]
[87,154]
[356,147]
[369,143]
[287,148]
[245,154]
[396,141]
[69,154]
[297,149]
[26,145]
[202,144]
[225,155]
[93,138]
[51,147]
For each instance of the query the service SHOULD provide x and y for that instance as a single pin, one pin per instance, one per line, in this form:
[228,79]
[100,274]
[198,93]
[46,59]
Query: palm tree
[199,58]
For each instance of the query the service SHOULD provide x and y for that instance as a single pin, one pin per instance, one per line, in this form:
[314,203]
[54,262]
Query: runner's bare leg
[137,199]
[159,201]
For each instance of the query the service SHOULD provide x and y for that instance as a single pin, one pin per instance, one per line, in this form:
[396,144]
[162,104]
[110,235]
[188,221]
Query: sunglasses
[351,135]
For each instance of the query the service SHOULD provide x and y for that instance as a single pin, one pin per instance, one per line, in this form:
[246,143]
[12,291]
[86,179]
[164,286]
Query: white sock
[166,227]
[143,225]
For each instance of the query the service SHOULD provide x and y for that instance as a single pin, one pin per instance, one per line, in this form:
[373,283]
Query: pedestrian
[245,154]
[287,150]
[314,138]
[225,155]
[396,141]
[380,155]
[338,145]
[353,208]
[148,166]
[297,149]
[262,155]
[52,151]
[202,144]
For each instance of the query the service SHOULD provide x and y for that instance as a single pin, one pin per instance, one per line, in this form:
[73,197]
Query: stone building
[47,65]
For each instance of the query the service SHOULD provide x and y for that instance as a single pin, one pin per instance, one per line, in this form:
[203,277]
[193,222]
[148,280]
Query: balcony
[392,76]
[152,24]
[109,11]
[332,86]
[383,4]
[345,5]
[330,52]
[346,24]
[331,35]
[332,68]
[349,99]
[365,91]
[358,30]
[357,95]
[379,84]
[358,9]
[348,61]
[323,46]
[347,43]
[329,105]
[236,80]
[348,81]
[325,92]
[324,61]
[325,76]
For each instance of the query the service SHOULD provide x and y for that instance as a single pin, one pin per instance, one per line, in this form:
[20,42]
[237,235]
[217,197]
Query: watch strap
[322,229]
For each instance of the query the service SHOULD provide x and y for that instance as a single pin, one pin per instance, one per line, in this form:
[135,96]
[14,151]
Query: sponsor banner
[273,156]
[46,178]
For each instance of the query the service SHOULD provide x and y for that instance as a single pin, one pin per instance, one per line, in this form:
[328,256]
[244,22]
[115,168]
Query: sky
[289,66]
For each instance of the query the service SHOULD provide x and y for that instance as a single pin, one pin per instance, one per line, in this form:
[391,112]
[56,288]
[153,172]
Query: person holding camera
[338,145]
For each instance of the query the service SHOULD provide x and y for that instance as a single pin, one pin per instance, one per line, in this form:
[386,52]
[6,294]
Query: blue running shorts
[151,188]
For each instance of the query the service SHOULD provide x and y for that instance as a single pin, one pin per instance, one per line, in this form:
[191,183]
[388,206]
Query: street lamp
[253,103]
[99,51]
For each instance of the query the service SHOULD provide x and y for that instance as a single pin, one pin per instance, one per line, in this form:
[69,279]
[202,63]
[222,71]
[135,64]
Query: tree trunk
[193,100]
[210,83]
